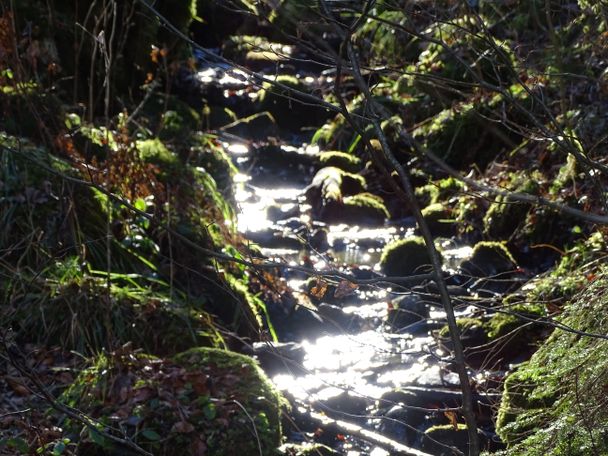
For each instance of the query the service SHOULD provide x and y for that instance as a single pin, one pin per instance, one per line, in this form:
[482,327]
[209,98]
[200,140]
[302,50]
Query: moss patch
[405,257]
[201,399]
[342,160]
[551,405]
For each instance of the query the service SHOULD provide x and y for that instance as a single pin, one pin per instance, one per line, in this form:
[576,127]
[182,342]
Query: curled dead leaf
[345,288]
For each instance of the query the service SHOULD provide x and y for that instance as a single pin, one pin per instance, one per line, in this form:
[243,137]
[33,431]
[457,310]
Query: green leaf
[150,435]
[72,121]
[209,411]
[140,204]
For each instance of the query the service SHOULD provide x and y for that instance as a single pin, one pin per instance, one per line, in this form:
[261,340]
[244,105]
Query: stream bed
[364,367]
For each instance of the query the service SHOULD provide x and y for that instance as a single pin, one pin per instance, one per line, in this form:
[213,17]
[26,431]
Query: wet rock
[278,212]
[318,240]
[489,259]
[293,223]
[364,273]
[331,184]
[439,220]
[401,424]
[275,357]
[491,270]
[273,239]
[257,126]
[405,257]
[407,311]
[337,319]
[437,438]
[472,335]
[278,156]
[292,110]
[344,402]
[404,406]
[363,209]
[342,160]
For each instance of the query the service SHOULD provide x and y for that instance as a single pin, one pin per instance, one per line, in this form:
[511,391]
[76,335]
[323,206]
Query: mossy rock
[489,259]
[472,333]
[439,220]
[332,184]
[385,43]
[466,133]
[154,151]
[361,209]
[436,438]
[439,191]
[522,333]
[550,403]
[291,110]
[255,51]
[505,216]
[346,162]
[405,257]
[203,398]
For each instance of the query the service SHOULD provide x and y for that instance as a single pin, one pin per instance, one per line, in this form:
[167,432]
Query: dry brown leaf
[17,386]
[452,417]
[319,290]
[345,288]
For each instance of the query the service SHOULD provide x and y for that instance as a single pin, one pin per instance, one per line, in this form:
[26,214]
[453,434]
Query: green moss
[501,324]
[154,151]
[384,43]
[504,216]
[464,325]
[179,409]
[439,219]
[335,183]
[342,160]
[550,404]
[405,257]
[466,132]
[372,205]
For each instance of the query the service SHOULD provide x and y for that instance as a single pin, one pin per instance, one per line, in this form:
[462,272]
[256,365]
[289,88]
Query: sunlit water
[366,364]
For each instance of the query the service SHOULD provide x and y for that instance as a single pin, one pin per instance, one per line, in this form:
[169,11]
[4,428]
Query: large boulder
[202,401]
[489,259]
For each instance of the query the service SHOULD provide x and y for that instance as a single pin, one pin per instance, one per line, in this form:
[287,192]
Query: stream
[363,367]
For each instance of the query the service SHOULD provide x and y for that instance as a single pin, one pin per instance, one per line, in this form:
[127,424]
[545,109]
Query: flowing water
[356,382]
